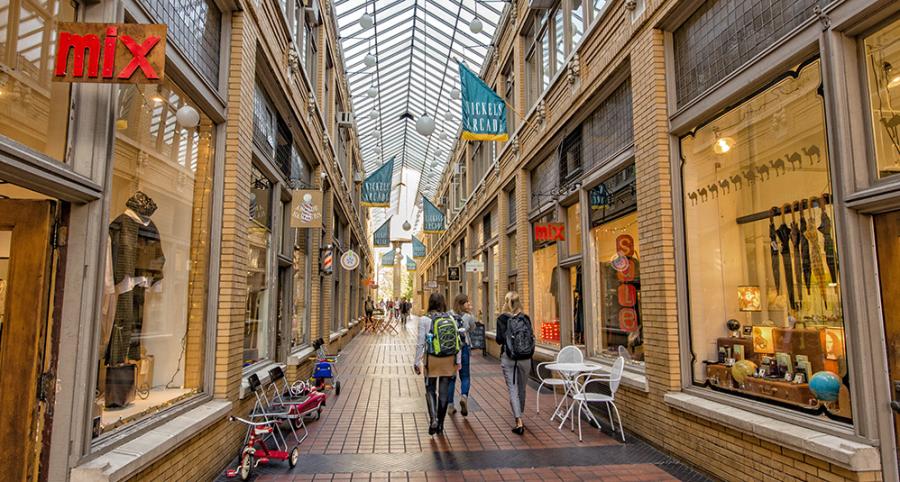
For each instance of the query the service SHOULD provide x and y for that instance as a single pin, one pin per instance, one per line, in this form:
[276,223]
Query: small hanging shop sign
[433,218]
[600,197]
[350,260]
[110,53]
[382,235]
[376,189]
[418,248]
[474,266]
[549,232]
[453,273]
[306,208]
[626,275]
[411,265]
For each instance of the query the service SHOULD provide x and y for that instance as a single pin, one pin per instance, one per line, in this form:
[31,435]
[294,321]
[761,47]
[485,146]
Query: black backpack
[519,343]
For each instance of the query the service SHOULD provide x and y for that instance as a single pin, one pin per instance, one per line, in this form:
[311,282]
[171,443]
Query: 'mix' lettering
[82,43]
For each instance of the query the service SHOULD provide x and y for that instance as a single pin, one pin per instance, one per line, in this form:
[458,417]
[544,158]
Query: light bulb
[475,26]
[425,125]
[454,93]
[723,145]
[370,60]
[372,92]
[366,21]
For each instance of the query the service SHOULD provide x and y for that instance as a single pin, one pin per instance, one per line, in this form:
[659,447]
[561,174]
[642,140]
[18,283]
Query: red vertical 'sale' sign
[110,53]
[627,293]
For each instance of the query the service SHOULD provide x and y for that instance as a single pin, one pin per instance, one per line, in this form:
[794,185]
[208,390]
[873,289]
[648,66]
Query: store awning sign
[382,236]
[376,189]
[306,208]
[549,232]
[433,221]
[474,266]
[483,111]
[130,53]
[600,198]
[418,248]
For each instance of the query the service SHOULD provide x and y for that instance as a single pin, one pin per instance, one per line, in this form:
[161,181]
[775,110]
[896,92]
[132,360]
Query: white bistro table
[569,372]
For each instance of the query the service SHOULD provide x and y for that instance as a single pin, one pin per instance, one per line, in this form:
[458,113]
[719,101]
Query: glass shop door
[25,279]
[887,236]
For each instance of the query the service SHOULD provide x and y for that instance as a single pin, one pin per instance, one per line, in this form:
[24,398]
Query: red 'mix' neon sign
[90,52]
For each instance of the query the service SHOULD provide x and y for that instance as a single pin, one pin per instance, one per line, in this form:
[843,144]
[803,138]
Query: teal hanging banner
[388,258]
[418,248]
[382,236]
[483,111]
[410,264]
[376,189]
[433,217]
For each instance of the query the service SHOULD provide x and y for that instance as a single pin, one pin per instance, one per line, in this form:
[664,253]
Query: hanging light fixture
[373,115]
[444,136]
[448,116]
[370,60]
[372,92]
[722,145]
[454,93]
[377,150]
[475,26]
[406,226]
[425,125]
[376,133]
[187,116]
[366,21]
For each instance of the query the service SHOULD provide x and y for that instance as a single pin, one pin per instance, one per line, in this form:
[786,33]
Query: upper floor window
[883,74]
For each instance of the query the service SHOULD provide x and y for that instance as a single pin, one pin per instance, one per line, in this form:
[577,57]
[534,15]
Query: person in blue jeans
[462,311]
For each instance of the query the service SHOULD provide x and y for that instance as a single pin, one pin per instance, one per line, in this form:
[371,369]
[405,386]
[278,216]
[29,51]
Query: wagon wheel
[295,456]
[246,466]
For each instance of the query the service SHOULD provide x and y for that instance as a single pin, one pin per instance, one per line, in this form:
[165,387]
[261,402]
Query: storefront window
[765,299]
[545,292]
[883,73]
[152,322]
[573,225]
[256,323]
[617,271]
[34,110]
[300,315]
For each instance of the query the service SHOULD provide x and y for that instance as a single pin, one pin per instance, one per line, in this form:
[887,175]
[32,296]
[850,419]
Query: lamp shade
[366,21]
[187,116]
[370,60]
[475,26]
[425,125]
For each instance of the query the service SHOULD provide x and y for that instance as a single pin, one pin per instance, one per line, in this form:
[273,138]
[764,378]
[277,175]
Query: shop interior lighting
[722,145]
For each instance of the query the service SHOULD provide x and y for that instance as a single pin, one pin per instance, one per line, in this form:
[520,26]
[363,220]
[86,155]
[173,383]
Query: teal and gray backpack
[444,336]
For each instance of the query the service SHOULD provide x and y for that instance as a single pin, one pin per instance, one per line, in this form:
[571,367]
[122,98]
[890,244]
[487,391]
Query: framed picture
[747,331]
[738,352]
[763,339]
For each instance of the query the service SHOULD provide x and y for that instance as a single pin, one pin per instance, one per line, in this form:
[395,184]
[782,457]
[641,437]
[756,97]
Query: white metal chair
[569,354]
[582,397]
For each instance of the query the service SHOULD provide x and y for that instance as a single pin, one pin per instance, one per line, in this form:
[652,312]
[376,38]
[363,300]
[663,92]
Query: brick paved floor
[377,429]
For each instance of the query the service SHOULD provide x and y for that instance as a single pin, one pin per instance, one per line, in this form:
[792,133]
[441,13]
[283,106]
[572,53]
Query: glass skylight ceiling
[417,44]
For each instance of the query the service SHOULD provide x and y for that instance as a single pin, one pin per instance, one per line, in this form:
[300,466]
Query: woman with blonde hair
[516,339]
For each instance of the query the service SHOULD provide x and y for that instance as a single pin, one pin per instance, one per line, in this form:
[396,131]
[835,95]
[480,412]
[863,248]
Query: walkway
[377,429]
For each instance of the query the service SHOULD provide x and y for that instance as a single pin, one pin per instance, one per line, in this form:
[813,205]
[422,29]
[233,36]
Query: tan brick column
[502,241]
[652,163]
[327,298]
[238,163]
[315,256]
[523,233]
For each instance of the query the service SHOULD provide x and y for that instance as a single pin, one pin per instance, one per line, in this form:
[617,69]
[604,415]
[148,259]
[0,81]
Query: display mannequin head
[141,204]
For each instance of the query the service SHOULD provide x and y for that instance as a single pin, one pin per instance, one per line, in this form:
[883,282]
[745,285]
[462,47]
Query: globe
[825,386]
[742,369]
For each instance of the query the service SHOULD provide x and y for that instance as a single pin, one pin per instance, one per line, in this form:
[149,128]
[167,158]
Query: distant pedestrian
[438,346]
[404,310]
[370,311]
[515,336]
[462,313]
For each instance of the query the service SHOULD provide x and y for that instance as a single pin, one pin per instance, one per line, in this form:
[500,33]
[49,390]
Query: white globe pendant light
[370,60]
[475,26]
[373,115]
[377,151]
[425,125]
[443,136]
[448,116]
[187,116]
[372,92]
[454,93]
[406,226]
[376,133]
[366,21]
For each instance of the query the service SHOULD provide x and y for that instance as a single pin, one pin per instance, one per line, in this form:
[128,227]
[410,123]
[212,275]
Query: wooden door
[887,236]
[26,227]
